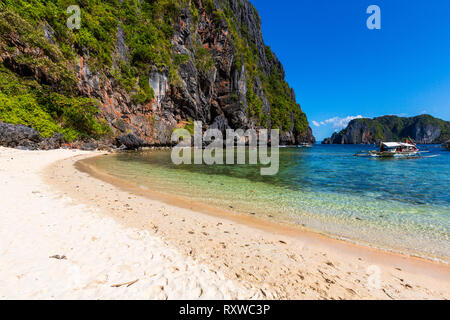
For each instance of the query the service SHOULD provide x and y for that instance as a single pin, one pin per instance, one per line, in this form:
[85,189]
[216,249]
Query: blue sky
[340,69]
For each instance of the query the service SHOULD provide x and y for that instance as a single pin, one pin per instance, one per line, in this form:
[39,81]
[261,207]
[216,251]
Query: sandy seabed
[65,234]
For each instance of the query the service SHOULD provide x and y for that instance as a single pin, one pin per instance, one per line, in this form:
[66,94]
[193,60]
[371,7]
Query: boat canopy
[397,144]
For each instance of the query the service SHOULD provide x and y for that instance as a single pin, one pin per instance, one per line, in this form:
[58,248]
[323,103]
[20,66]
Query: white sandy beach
[97,252]
[67,235]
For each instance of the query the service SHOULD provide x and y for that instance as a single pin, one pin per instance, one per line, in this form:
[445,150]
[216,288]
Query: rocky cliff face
[423,129]
[209,64]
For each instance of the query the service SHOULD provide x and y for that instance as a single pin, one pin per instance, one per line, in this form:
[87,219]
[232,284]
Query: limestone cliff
[423,129]
[144,68]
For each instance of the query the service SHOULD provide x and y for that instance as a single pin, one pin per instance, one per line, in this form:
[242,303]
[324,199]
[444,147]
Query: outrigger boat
[393,149]
[396,149]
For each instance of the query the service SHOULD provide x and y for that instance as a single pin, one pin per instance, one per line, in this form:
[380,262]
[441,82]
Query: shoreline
[293,242]
[277,227]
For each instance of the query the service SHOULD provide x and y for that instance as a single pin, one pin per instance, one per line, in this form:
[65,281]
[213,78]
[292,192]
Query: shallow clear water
[399,204]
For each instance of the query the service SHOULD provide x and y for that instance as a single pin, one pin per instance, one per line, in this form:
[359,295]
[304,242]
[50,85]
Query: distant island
[423,129]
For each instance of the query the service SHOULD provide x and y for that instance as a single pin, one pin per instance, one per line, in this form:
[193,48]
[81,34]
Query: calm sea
[396,204]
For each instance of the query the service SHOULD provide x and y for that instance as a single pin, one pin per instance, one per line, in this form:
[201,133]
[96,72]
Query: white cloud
[336,122]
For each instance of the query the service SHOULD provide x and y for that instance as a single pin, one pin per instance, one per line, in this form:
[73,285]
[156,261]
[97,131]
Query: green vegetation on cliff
[397,128]
[24,101]
[423,129]
[148,28]
[39,89]
[38,84]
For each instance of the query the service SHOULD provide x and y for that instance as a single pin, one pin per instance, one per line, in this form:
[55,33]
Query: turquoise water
[396,204]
